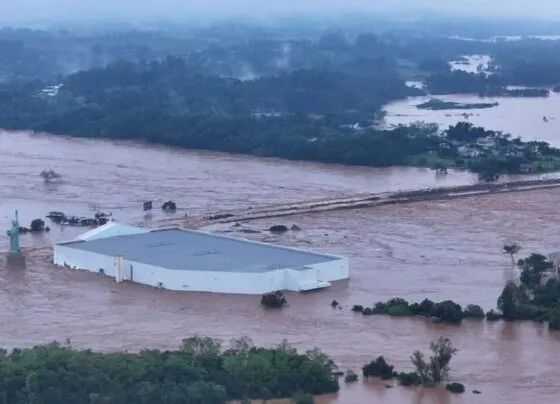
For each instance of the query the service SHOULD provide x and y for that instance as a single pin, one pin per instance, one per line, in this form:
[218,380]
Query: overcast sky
[12,11]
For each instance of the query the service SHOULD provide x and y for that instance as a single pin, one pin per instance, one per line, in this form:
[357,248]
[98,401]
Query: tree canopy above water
[199,372]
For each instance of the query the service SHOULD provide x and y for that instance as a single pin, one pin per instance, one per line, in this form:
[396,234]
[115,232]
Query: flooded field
[521,116]
[438,250]
[530,112]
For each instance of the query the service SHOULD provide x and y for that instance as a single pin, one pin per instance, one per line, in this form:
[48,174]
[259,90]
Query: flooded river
[439,250]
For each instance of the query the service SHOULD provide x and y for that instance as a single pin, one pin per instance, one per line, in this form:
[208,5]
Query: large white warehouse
[181,259]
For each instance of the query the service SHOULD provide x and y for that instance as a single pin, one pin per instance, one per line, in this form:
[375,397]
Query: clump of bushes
[274,300]
[493,315]
[409,379]
[429,371]
[350,376]
[534,296]
[169,206]
[278,228]
[379,368]
[456,388]
[38,225]
[473,311]
[446,311]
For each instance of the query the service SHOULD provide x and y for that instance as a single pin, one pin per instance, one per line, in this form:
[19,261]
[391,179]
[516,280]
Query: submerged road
[368,200]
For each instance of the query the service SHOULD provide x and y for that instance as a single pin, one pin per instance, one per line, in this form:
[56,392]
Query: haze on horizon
[60,11]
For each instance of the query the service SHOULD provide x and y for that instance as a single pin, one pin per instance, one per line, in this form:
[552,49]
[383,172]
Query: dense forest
[317,97]
[200,372]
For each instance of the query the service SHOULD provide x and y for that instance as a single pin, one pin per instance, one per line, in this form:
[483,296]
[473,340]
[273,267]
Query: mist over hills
[41,12]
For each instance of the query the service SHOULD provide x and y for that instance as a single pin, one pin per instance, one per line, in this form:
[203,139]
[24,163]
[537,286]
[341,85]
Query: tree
[455,388]
[241,345]
[56,373]
[274,300]
[533,269]
[379,368]
[50,175]
[443,351]
[488,176]
[440,169]
[437,367]
[473,311]
[350,376]
[37,225]
[510,298]
[554,320]
[512,249]
[201,346]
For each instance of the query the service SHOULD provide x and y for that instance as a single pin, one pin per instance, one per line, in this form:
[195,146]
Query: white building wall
[85,260]
[203,281]
[292,280]
[335,270]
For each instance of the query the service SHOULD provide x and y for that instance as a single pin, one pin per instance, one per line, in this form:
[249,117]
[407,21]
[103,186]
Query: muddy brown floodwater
[439,250]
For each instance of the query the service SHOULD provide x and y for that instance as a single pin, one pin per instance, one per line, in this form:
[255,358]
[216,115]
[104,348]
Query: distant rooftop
[183,249]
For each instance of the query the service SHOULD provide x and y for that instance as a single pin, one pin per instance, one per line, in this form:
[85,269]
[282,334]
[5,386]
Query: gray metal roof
[184,249]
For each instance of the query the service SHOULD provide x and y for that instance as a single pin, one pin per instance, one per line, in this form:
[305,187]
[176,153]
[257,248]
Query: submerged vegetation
[275,300]
[446,311]
[534,296]
[200,371]
[435,105]
[428,372]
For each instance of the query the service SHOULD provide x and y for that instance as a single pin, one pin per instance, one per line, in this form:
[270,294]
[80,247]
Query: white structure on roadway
[181,259]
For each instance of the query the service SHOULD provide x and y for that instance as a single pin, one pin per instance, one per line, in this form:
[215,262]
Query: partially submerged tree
[437,367]
[509,300]
[533,269]
[350,376]
[37,225]
[511,250]
[169,206]
[50,175]
[440,169]
[197,346]
[274,300]
[379,368]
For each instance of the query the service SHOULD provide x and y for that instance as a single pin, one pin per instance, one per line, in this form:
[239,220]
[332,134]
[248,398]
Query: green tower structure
[15,256]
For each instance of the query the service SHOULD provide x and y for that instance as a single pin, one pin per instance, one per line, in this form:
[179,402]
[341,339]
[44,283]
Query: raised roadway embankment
[378,199]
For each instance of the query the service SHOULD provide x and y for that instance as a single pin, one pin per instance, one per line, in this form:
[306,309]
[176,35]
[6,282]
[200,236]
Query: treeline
[200,372]
[302,115]
[534,296]
[494,85]
[447,311]
[306,99]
